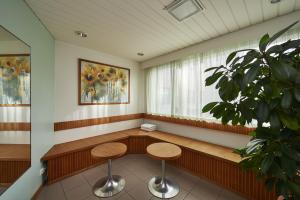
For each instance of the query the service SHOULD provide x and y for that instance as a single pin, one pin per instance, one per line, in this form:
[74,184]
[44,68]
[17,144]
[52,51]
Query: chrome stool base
[163,189]
[107,187]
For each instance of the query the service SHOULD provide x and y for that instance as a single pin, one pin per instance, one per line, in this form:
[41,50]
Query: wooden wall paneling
[72,163]
[224,173]
[10,171]
[15,126]
[137,145]
[58,126]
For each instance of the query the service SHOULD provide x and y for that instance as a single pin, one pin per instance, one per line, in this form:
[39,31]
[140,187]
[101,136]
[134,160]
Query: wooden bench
[209,161]
[14,161]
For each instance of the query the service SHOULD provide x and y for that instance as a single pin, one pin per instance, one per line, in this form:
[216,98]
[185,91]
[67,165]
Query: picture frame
[15,80]
[102,84]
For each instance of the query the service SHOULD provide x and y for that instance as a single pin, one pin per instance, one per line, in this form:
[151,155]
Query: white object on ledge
[148,127]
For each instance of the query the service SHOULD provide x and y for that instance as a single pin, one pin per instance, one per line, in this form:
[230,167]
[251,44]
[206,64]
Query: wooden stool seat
[160,186]
[111,184]
[109,150]
[164,151]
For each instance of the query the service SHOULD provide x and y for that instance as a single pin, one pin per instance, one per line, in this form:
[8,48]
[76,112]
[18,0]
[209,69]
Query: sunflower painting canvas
[15,80]
[103,84]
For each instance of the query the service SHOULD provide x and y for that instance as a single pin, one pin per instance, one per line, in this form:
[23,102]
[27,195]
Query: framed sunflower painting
[15,80]
[102,83]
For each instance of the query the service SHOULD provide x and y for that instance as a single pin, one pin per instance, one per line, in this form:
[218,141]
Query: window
[177,88]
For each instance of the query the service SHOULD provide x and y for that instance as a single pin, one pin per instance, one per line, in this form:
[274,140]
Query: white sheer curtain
[178,88]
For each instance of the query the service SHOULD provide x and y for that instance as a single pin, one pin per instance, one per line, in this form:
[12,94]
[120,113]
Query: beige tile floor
[137,170]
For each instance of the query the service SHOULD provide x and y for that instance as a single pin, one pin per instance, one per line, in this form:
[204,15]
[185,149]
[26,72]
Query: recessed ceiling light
[182,9]
[81,34]
[274,1]
[140,54]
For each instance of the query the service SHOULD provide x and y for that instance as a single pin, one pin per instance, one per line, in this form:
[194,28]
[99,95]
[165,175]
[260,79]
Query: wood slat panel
[72,163]
[137,145]
[15,126]
[221,171]
[10,171]
[201,124]
[226,174]
[58,126]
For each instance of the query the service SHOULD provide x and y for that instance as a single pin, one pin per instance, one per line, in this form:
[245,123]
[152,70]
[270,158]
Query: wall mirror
[14,108]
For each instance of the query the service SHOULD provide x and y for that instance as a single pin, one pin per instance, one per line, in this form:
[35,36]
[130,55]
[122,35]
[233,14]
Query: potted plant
[263,85]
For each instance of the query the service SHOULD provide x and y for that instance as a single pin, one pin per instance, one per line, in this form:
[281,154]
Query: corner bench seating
[213,162]
[14,161]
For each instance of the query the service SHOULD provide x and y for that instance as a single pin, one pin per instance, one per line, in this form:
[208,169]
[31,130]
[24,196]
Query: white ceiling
[125,27]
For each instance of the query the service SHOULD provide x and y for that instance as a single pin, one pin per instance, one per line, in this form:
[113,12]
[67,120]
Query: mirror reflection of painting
[102,83]
[14,79]
[14,109]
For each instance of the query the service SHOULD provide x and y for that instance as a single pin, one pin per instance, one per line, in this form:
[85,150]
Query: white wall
[66,92]
[14,137]
[227,40]
[16,17]
[222,138]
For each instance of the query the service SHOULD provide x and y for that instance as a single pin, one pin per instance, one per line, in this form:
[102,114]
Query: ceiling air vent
[182,9]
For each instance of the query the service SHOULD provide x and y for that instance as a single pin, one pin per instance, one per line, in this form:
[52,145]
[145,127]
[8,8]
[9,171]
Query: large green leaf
[229,91]
[250,57]
[288,121]
[283,71]
[291,153]
[214,68]
[218,110]
[295,187]
[288,165]
[266,163]
[286,100]
[274,121]
[251,75]
[297,94]
[209,106]
[213,78]
[291,44]
[263,112]
[275,49]
[264,42]
[278,34]
[211,68]
[230,57]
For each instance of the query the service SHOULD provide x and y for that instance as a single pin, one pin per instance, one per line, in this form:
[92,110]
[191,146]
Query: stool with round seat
[160,186]
[112,184]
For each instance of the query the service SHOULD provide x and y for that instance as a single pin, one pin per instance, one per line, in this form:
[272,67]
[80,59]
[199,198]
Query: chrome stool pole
[110,185]
[162,187]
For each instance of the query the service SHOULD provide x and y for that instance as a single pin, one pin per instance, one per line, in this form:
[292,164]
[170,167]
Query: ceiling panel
[239,12]
[286,6]
[254,10]
[126,27]
[269,10]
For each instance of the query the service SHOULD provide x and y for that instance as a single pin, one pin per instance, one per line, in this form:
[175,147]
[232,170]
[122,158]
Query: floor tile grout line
[65,195]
